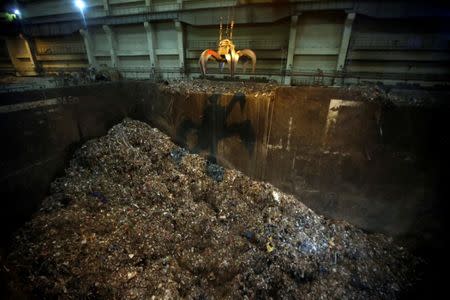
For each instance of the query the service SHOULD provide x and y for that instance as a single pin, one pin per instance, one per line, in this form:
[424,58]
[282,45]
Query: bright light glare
[80,4]
[17,12]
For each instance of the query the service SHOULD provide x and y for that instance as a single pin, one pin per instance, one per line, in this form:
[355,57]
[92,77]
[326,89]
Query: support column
[291,49]
[14,61]
[112,45]
[180,4]
[89,49]
[148,5]
[179,29]
[150,32]
[345,41]
[30,48]
[106,6]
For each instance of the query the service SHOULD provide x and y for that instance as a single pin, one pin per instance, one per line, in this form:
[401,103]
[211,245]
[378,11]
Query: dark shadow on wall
[214,127]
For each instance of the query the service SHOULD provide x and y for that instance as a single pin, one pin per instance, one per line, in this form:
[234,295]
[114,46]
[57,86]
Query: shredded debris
[391,96]
[138,217]
[218,87]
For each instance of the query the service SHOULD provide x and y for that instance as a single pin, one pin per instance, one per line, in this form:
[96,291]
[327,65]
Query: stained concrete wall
[318,41]
[366,163]
[61,53]
[395,47]
[340,157]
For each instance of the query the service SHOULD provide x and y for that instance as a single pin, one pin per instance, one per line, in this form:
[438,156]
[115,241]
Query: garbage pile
[218,87]
[389,96]
[137,217]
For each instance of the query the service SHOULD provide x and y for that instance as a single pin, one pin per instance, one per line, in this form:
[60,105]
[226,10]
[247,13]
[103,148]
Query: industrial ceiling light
[16,14]
[80,4]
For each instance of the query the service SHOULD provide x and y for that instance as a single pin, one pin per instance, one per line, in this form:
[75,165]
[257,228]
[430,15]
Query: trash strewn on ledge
[218,87]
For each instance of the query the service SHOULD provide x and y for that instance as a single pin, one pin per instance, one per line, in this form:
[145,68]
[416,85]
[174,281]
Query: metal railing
[61,50]
[412,42]
[134,10]
[240,44]
[310,77]
[80,76]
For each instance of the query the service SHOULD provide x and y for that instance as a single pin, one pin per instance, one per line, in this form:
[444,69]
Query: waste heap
[138,217]
[189,86]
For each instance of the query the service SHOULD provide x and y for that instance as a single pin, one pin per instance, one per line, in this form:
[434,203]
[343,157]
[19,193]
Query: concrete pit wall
[41,129]
[372,165]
